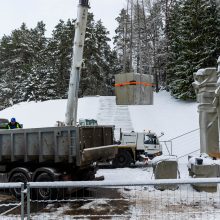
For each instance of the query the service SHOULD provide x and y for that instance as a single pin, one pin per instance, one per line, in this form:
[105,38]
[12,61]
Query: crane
[80,30]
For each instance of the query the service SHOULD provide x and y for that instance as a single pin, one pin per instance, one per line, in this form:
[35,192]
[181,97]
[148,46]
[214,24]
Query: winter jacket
[13,126]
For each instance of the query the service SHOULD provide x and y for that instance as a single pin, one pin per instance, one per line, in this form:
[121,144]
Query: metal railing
[13,204]
[189,143]
[168,145]
[128,200]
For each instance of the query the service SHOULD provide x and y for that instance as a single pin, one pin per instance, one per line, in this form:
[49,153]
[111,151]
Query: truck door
[151,143]
[140,141]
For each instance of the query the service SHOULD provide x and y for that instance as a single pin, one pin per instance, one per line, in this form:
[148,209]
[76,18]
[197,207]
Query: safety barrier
[9,204]
[125,200]
[115,200]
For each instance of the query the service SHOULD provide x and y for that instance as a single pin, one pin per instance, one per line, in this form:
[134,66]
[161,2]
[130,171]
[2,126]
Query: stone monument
[205,87]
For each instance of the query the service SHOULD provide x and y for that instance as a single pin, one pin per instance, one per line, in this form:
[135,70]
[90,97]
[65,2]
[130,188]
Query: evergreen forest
[170,39]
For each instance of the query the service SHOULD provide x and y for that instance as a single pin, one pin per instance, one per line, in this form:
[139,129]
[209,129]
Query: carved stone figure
[217,93]
[205,86]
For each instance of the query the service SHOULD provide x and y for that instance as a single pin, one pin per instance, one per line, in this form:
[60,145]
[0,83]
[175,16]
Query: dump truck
[136,146]
[53,154]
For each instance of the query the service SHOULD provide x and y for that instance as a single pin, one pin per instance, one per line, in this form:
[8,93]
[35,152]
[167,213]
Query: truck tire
[122,159]
[18,177]
[87,174]
[45,193]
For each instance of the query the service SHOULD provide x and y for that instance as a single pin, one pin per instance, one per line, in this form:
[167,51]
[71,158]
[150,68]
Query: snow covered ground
[169,115]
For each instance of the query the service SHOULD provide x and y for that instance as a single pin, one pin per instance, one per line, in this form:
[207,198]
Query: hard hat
[13,120]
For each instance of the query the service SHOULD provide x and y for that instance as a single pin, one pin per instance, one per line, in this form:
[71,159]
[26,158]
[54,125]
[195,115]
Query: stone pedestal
[166,170]
[205,171]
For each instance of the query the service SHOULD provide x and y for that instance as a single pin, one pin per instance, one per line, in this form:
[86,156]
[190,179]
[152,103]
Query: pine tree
[99,67]
[143,44]
[33,67]
[122,40]
[155,58]
[60,54]
[6,72]
[38,84]
[195,44]
[16,61]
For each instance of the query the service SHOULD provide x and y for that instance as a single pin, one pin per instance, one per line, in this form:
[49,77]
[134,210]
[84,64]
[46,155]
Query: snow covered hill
[168,115]
[111,114]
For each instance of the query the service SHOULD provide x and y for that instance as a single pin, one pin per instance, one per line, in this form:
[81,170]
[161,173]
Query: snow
[168,115]
[200,72]
[46,114]
[111,114]
[206,160]
[163,158]
[141,174]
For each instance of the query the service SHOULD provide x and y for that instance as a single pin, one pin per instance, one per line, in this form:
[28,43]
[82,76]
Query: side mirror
[161,134]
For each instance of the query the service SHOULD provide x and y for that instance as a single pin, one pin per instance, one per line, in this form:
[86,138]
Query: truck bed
[57,144]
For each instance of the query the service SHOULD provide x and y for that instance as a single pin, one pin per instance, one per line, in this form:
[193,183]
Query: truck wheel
[18,177]
[122,159]
[45,193]
[87,174]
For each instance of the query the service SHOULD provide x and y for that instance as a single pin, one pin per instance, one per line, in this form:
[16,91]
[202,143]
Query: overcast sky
[14,12]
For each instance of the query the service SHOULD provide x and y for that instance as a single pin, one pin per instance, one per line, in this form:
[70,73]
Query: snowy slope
[45,114]
[171,116]
[111,114]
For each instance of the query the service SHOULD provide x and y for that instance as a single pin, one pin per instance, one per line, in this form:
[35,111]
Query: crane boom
[80,30]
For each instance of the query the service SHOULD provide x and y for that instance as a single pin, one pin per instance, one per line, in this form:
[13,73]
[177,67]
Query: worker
[13,124]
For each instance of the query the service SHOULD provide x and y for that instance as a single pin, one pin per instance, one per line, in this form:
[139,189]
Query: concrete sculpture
[205,87]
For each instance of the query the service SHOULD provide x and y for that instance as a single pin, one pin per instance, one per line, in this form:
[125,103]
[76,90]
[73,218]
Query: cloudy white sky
[14,12]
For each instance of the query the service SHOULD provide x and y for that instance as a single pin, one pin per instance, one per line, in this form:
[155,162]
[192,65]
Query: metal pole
[28,202]
[22,201]
[96,184]
[171,147]
[165,142]
[80,30]
[218,62]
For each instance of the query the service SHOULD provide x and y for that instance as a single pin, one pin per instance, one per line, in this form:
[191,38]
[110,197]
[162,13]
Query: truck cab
[136,146]
[146,143]
[4,123]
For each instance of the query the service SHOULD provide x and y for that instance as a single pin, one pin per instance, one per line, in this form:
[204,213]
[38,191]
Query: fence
[9,204]
[118,200]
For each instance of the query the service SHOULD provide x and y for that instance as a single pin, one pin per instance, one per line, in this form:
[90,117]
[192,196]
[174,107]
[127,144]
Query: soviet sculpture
[205,86]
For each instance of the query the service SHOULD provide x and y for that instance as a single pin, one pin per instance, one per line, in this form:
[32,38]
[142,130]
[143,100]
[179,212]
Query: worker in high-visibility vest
[13,124]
